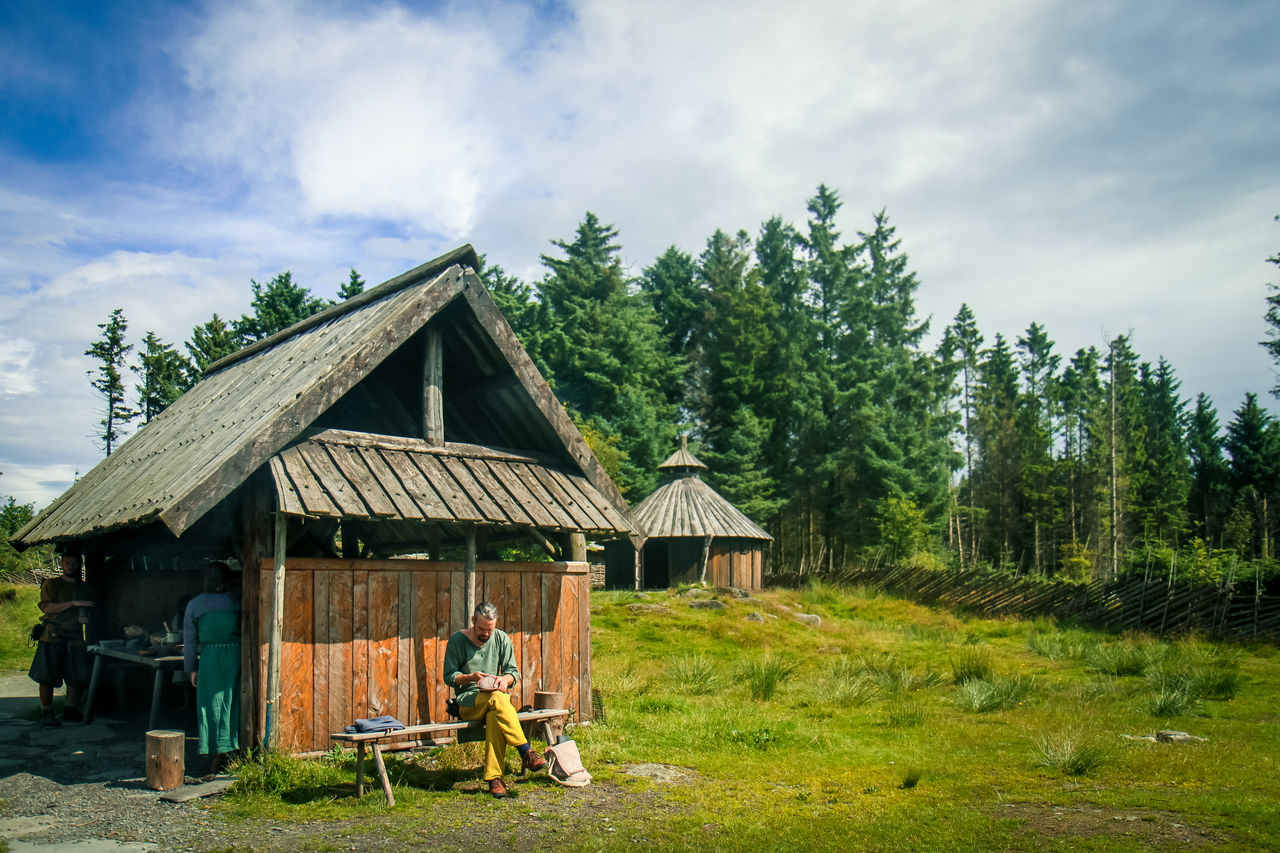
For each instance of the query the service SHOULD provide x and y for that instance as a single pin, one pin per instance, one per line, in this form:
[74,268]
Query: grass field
[890,726]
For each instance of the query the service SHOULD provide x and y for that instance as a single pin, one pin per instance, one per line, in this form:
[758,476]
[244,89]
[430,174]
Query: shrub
[971,664]
[1071,755]
[763,675]
[998,694]
[695,675]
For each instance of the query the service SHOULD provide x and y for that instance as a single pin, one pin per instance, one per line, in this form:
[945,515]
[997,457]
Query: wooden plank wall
[364,638]
[737,563]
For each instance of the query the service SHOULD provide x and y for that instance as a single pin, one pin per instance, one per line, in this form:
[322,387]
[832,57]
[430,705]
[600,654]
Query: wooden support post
[706,555]
[276,641]
[639,561]
[432,392]
[470,575]
[166,764]
[577,547]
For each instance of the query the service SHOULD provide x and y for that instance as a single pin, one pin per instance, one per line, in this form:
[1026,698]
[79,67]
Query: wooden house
[690,534]
[337,463]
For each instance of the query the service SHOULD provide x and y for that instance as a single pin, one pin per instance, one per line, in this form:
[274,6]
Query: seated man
[480,666]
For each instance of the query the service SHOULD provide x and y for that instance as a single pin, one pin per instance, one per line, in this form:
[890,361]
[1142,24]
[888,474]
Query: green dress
[218,685]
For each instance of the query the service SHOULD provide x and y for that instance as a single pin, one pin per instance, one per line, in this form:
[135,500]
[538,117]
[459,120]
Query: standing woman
[211,629]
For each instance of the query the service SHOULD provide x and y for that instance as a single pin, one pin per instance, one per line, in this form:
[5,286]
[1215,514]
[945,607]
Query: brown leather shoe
[497,789]
[533,762]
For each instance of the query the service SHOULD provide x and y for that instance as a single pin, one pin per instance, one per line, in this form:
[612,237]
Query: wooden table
[162,666]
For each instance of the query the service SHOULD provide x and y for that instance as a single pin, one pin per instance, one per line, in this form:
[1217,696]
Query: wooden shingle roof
[255,403]
[688,507]
[340,474]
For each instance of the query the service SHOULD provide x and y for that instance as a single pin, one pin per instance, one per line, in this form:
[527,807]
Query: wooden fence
[1154,606]
[364,638]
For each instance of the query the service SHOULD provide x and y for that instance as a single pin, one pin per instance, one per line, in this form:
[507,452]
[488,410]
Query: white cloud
[1079,165]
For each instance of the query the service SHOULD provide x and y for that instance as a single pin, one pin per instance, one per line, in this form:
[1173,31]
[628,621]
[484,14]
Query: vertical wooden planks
[444,629]
[511,618]
[423,639]
[321,581]
[552,663]
[405,687]
[585,706]
[339,633]
[383,641]
[359,643]
[297,689]
[458,617]
[531,623]
[568,630]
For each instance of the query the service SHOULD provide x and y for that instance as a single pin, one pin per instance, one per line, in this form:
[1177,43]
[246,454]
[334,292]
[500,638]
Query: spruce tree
[736,344]
[111,352]
[1272,316]
[210,341]
[163,373]
[1038,502]
[962,341]
[1161,490]
[1208,496]
[1253,443]
[276,305]
[353,286]
[605,353]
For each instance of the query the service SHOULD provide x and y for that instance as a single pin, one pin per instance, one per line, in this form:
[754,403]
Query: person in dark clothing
[60,649]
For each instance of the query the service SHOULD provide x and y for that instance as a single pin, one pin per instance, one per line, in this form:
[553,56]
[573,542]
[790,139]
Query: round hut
[691,535]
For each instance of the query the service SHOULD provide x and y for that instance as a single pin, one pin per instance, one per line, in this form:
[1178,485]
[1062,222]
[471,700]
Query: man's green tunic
[462,657]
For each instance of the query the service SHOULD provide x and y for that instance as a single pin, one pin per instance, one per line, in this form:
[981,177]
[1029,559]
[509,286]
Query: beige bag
[564,765]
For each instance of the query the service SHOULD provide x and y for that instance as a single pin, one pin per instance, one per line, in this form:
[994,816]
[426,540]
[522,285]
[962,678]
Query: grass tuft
[971,664]
[1071,755]
[1118,659]
[764,675]
[694,675]
[1173,701]
[911,778]
[996,694]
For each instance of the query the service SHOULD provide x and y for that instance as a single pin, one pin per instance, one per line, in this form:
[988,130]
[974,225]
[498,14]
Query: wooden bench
[434,734]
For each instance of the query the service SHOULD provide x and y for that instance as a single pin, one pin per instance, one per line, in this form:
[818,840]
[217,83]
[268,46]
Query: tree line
[796,360]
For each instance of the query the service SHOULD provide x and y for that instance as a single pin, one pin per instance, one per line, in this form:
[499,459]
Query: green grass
[18,612]
[866,733]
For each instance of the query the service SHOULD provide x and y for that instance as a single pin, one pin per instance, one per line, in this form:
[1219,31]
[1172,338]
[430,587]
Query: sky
[1101,168]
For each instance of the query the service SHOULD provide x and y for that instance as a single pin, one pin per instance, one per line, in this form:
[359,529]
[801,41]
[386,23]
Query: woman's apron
[218,687]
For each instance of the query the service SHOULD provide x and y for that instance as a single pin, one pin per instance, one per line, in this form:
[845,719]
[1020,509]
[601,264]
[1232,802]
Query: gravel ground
[80,789]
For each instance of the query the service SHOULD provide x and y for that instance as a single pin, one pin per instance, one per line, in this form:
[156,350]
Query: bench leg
[382,774]
[360,769]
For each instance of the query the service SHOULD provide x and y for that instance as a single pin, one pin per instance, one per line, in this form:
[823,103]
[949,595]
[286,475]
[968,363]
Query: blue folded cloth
[376,724]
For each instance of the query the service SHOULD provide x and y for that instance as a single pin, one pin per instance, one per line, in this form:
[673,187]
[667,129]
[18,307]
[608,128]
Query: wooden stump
[543,700]
[166,762]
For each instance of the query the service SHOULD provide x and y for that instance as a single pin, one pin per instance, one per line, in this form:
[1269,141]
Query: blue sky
[1098,167]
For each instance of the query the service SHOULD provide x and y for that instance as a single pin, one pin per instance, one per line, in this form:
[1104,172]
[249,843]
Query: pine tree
[163,373]
[1039,502]
[963,342]
[1208,496]
[210,341]
[1253,443]
[112,353]
[276,305]
[736,344]
[1161,489]
[1272,343]
[997,472]
[605,354]
[353,286]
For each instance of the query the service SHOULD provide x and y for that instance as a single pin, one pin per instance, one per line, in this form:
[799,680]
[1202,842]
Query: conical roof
[687,507]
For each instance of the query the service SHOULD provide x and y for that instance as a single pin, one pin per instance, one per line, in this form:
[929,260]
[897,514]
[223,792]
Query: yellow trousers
[501,728]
